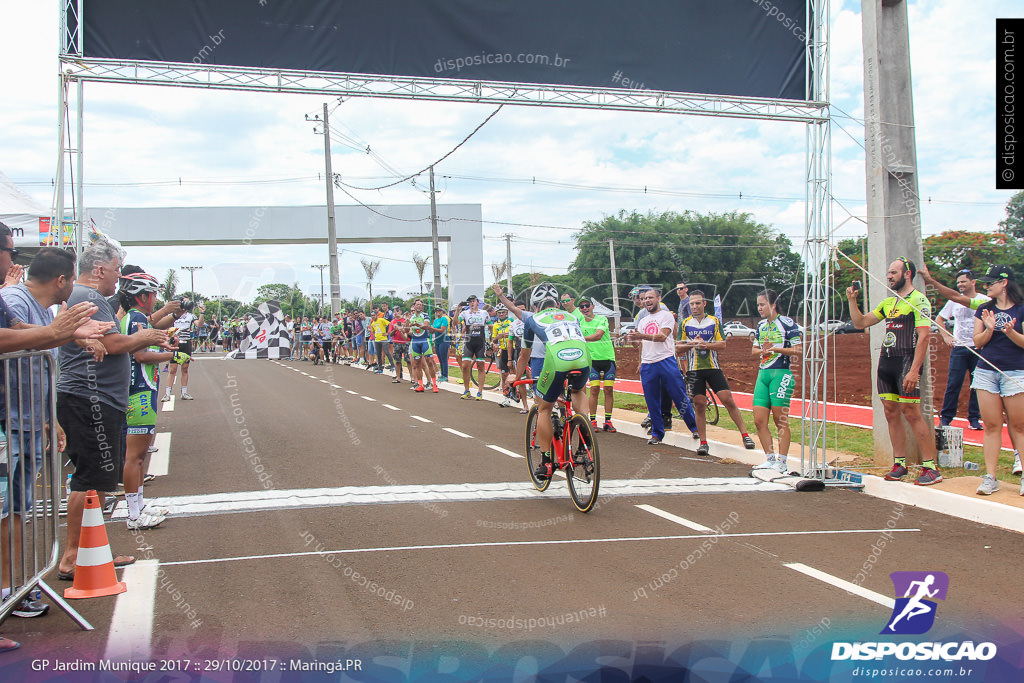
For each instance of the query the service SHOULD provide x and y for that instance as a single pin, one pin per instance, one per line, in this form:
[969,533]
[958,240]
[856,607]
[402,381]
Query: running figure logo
[914,614]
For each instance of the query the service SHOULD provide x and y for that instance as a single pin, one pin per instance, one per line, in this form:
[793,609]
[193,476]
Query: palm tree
[370,268]
[421,265]
[170,284]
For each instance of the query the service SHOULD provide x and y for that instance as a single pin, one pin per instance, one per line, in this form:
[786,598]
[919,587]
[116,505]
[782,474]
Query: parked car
[737,329]
[847,328]
[829,326]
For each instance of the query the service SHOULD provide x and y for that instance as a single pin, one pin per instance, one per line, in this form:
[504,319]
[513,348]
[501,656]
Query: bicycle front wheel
[533,450]
[583,469]
[711,411]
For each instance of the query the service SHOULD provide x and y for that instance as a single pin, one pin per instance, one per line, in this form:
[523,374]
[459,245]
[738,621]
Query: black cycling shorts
[475,348]
[698,381]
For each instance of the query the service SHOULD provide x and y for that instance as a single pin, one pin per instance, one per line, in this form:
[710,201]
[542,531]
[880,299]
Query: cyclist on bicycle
[564,350]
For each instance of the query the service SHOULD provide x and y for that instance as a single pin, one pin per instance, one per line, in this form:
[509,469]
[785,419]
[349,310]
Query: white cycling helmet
[542,293]
[500,307]
[138,283]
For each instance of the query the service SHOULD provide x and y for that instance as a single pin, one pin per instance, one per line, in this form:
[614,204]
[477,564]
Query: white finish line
[284,499]
[883,600]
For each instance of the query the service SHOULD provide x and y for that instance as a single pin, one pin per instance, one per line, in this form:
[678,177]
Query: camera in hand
[186,304]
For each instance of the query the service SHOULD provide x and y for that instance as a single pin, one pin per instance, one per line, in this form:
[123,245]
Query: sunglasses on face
[584,305]
[13,252]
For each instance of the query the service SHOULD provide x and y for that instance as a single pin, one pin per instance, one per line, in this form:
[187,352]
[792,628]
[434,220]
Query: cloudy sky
[157,147]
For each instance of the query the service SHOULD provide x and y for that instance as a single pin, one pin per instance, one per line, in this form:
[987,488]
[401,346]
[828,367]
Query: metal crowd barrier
[30,541]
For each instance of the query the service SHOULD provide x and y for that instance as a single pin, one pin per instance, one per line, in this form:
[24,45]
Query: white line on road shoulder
[456,432]
[883,600]
[131,626]
[159,460]
[674,518]
[507,452]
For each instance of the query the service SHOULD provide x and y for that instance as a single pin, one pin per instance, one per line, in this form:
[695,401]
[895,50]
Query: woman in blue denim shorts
[999,379]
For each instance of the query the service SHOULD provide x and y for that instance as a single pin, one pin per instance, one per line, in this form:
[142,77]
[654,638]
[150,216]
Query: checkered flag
[265,334]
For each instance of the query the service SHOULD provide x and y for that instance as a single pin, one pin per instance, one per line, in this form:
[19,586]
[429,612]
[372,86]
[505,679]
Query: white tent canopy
[20,213]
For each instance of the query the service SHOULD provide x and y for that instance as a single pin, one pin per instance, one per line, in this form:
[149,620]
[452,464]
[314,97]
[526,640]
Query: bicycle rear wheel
[583,471]
[490,381]
[711,411]
[533,450]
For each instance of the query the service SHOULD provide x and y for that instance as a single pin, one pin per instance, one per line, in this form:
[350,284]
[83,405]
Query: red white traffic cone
[94,568]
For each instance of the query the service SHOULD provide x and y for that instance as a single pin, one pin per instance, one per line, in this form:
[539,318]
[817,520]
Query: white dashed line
[367,398]
[421,419]
[456,432]
[678,520]
[389,406]
[883,600]
[507,452]
[354,393]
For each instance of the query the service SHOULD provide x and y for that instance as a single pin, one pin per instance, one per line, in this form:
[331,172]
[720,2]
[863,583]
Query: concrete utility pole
[433,240]
[894,213]
[320,267]
[508,263]
[332,233]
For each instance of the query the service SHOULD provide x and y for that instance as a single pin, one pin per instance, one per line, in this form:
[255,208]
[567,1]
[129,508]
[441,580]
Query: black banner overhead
[743,48]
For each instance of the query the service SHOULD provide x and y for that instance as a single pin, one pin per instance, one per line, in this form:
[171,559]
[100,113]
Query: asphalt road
[325,512]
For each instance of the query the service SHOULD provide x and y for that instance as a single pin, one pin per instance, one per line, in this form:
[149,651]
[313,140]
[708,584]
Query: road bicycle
[574,448]
[711,411]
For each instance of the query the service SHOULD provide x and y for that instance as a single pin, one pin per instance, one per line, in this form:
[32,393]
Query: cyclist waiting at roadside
[565,350]
[475,349]
[702,339]
[602,361]
[500,342]
[777,342]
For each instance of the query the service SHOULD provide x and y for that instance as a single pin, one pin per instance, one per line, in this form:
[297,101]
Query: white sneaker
[165,398]
[989,485]
[768,464]
[185,396]
[144,521]
[781,464]
[505,403]
[155,510]
[1016,463]
[1022,487]
[152,449]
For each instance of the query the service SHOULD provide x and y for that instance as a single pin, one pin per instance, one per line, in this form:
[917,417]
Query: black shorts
[698,381]
[95,441]
[475,349]
[891,373]
[503,360]
[400,350]
[183,347]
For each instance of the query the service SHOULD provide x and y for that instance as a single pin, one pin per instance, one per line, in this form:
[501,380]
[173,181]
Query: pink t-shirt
[651,351]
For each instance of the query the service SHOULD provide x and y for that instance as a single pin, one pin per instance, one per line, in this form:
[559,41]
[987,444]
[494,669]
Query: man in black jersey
[907,317]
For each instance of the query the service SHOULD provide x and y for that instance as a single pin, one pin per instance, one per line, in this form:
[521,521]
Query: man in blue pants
[658,368]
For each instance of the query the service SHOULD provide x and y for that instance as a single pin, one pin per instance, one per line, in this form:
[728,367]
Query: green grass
[857,442]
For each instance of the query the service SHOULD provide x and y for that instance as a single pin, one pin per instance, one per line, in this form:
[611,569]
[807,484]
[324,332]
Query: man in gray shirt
[92,396]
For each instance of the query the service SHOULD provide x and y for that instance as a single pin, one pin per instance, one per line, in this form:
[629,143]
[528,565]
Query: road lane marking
[883,600]
[354,393]
[673,518]
[131,626]
[280,499]
[455,432]
[325,381]
[389,406]
[158,461]
[507,452]
[498,544]
[367,398]
[421,419]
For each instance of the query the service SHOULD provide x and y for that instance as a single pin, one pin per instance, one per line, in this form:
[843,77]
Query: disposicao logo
[913,614]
